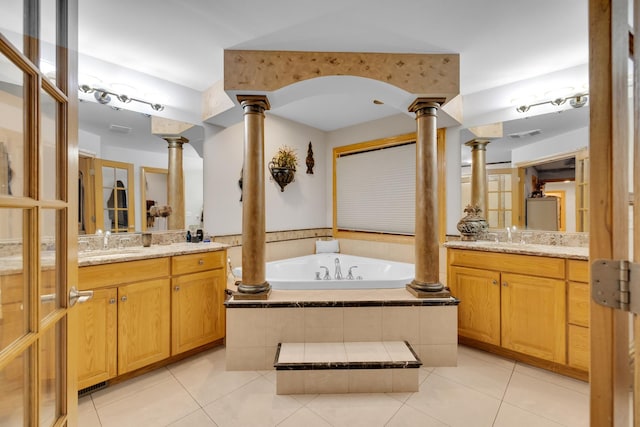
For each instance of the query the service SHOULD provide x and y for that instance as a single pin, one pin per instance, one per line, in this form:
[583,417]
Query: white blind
[375,190]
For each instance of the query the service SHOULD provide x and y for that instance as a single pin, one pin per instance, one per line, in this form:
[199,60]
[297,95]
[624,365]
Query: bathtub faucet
[338,274]
[350,274]
[326,273]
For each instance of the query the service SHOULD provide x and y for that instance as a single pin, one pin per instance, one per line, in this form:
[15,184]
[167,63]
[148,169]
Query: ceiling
[509,49]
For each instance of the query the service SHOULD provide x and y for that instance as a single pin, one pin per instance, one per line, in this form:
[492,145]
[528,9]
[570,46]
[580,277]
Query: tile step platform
[346,367]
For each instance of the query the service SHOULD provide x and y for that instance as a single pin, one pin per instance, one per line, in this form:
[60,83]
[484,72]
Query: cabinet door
[479,309]
[533,316]
[197,309]
[143,324]
[97,335]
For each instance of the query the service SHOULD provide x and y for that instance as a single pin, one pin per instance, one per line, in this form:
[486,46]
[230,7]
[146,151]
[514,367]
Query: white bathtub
[371,273]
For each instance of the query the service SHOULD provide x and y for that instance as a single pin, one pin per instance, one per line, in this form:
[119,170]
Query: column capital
[421,104]
[254,103]
[478,143]
[175,141]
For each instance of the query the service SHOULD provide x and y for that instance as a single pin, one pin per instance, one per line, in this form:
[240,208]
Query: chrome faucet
[338,273]
[326,273]
[350,274]
[105,243]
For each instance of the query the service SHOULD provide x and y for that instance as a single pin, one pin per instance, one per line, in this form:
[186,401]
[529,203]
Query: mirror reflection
[123,169]
[536,173]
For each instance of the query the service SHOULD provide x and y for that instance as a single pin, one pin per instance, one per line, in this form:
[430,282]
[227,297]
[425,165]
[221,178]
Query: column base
[428,290]
[253,292]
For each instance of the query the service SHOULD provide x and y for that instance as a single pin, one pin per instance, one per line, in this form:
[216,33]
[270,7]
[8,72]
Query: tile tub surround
[254,328]
[346,367]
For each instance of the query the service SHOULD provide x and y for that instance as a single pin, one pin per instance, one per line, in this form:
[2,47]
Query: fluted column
[254,284]
[175,182]
[427,249]
[479,174]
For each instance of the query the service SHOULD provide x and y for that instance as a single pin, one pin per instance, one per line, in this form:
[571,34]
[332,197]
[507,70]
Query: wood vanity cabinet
[578,314]
[197,300]
[516,302]
[145,311]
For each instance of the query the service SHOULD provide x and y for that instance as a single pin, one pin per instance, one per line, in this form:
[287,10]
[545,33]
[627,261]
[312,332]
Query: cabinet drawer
[193,263]
[578,271]
[97,276]
[511,263]
[579,347]
[579,303]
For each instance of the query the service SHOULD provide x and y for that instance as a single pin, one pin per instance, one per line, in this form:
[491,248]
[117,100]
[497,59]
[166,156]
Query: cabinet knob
[494,281]
[505,284]
[123,298]
[176,288]
[201,262]
[112,300]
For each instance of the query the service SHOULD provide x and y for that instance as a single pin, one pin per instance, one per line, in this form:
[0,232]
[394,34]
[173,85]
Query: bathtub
[371,273]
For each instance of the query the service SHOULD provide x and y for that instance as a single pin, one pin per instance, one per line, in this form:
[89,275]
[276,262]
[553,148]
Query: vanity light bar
[576,101]
[103,96]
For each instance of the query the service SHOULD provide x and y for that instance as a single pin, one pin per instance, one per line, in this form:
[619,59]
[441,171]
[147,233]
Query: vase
[281,175]
[472,224]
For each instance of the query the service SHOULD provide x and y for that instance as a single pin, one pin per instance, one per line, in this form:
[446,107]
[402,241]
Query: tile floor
[483,390]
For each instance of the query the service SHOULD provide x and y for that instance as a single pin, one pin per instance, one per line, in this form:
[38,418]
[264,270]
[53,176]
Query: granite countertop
[109,256]
[13,264]
[570,252]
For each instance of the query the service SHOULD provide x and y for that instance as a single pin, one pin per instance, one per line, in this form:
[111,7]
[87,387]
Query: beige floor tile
[561,380]
[325,352]
[423,373]
[87,414]
[398,351]
[400,397]
[353,410]
[486,356]
[453,403]
[198,418]
[129,388]
[366,352]
[247,359]
[269,376]
[291,353]
[206,379]
[409,417]
[158,405]
[485,377]
[551,401]
[266,408]
[304,417]
[509,416]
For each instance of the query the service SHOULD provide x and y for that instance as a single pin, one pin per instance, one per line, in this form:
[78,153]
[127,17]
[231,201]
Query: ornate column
[175,182]
[427,248]
[479,174]
[254,284]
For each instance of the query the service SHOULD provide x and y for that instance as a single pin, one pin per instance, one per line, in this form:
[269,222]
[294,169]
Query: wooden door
[38,215]
[479,309]
[144,318]
[533,316]
[97,338]
[197,309]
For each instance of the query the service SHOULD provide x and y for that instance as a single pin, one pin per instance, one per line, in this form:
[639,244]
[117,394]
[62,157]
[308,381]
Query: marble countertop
[570,252]
[13,264]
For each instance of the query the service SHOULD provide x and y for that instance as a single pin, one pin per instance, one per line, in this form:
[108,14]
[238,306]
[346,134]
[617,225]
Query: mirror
[153,186]
[535,172]
[117,135]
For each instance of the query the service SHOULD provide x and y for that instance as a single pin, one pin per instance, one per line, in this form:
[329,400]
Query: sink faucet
[338,273]
[105,244]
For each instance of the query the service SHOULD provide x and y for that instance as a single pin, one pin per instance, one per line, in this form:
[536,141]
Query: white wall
[300,206]
[566,143]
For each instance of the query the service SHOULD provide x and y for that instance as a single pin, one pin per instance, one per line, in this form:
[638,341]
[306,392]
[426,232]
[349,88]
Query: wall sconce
[576,101]
[103,96]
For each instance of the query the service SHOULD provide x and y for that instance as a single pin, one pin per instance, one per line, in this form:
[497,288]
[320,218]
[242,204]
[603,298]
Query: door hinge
[615,284]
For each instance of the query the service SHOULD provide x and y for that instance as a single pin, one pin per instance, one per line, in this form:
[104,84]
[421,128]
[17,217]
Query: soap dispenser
[188,236]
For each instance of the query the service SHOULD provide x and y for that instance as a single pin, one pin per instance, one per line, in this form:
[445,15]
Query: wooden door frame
[608,202]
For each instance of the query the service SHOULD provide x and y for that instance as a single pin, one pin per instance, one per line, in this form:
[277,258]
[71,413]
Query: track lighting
[576,101]
[103,96]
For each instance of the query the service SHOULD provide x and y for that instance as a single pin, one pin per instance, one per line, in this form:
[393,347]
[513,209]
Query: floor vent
[92,388]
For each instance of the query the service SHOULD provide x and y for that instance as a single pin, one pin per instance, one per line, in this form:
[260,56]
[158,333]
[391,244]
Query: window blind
[375,190]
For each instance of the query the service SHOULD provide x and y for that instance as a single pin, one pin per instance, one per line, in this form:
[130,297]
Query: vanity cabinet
[145,311]
[197,300]
[515,302]
[578,314]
